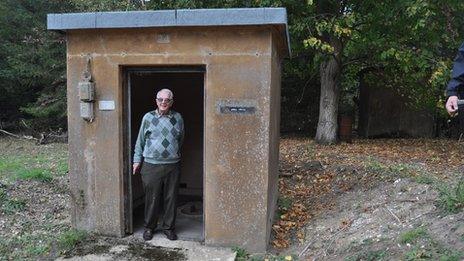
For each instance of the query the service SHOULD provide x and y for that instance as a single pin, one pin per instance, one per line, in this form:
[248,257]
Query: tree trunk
[327,126]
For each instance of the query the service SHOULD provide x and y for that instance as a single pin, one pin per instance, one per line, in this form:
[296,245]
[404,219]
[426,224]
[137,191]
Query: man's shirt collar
[158,115]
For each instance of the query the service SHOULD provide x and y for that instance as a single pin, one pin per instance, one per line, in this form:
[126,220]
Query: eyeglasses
[161,100]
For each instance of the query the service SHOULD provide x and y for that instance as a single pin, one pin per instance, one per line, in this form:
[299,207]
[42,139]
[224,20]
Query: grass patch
[23,167]
[71,238]
[400,169]
[413,235]
[26,247]
[426,248]
[62,167]
[8,165]
[451,256]
[370,255]
[10,205]
[432,253]
[241,254]
[35,174]
[374,165]
[283,205]
[425,179]
[452,199]
[418,254]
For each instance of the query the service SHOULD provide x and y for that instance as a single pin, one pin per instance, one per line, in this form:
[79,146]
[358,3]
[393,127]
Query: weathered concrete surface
[240,151]
[192,251]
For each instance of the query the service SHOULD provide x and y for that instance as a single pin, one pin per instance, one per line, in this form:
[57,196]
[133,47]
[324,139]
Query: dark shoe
[170,234]
[147,234]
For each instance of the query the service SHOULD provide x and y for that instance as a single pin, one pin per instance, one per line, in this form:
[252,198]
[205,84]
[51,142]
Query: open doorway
[187,84]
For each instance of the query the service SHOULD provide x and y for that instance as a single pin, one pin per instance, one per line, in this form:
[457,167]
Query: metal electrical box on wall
[86,91]
[86,110]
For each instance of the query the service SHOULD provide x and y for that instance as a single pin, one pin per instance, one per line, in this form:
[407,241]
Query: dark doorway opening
[187,84]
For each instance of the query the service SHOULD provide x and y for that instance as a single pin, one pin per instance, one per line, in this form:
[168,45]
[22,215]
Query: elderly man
[158,143]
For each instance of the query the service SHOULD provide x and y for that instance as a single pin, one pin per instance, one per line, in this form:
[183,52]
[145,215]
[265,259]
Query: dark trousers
[161,184]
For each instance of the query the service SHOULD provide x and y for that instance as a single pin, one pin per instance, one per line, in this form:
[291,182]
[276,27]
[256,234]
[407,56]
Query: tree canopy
[406,45]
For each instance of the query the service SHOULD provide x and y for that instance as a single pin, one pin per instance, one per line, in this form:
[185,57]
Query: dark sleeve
[457,74]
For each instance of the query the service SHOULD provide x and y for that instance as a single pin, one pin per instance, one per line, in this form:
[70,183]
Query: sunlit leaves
[318,45]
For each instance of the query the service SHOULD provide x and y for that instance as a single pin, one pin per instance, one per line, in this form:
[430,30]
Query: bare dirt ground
[369,200]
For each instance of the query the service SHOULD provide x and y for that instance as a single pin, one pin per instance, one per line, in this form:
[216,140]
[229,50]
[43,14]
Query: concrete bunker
[224,66]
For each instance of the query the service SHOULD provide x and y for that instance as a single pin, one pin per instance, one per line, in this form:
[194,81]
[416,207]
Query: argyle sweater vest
[160,138]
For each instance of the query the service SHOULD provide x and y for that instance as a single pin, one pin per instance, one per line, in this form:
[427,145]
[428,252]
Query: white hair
[171,95]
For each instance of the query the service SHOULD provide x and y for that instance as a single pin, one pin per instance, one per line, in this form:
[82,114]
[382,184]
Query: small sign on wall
[241,107]
[106,105]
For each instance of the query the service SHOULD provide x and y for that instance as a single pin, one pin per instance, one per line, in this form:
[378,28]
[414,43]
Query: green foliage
[62,167]
[32,165]
[35,174]
[71,238]
[412,235]
[32,59]
[452,199]
[425,247]
[10,205]
[424,179]
[27,246]
[432,253]
[404,45]
[451,256]
[377,166]
[241,254]
[283,205]
[48,111]
[8,164]
[418,254]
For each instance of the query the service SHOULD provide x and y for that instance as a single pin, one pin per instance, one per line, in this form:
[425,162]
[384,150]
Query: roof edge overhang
[172,18]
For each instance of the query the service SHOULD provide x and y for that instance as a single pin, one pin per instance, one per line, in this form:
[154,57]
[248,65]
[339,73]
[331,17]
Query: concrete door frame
[125,72]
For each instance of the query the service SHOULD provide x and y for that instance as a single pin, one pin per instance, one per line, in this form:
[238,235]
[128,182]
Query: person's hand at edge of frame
[135,168]
[452,105]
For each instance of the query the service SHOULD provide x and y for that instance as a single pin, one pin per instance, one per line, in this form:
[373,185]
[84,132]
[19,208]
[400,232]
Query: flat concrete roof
[172,18]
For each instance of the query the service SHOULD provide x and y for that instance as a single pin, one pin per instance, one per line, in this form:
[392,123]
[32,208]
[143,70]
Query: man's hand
[135,168]
[452,105]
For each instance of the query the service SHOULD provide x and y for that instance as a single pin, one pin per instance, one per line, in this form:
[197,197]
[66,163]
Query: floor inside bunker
[189,227]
